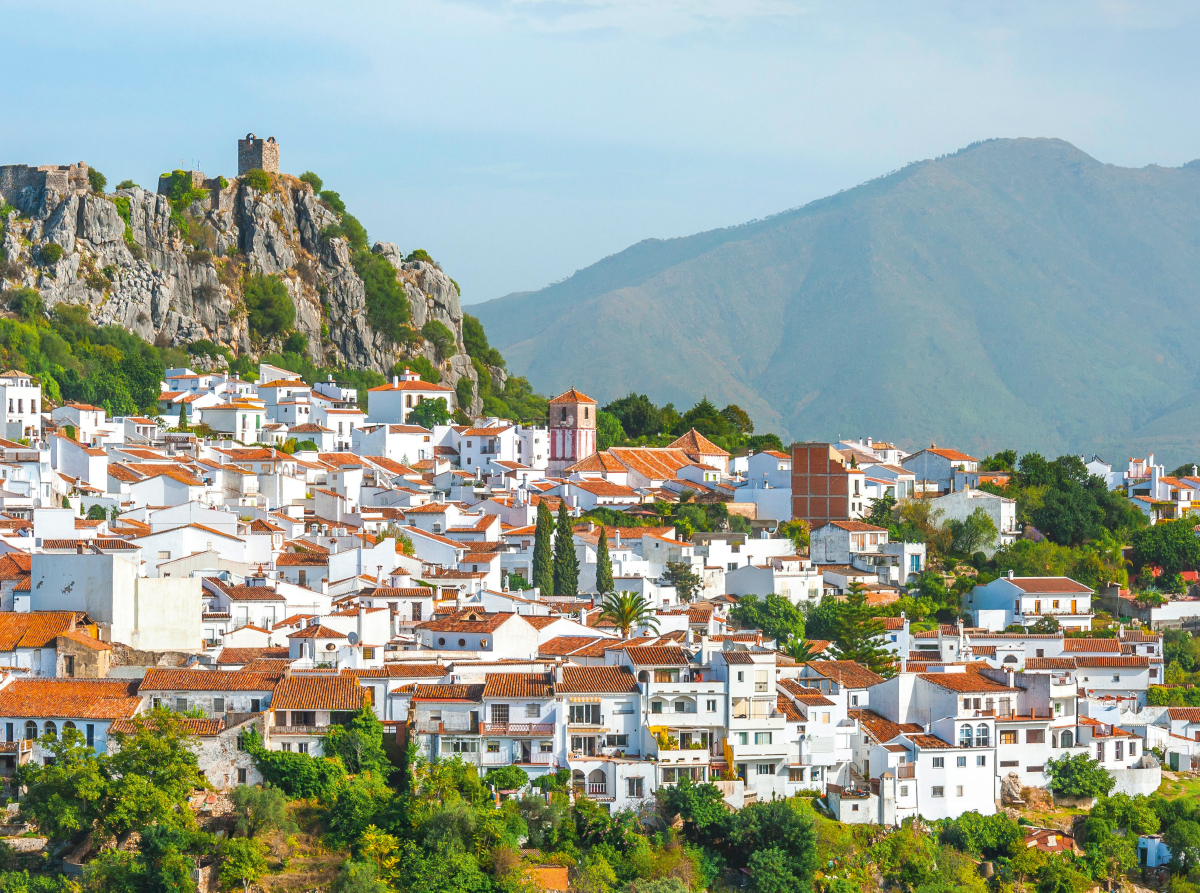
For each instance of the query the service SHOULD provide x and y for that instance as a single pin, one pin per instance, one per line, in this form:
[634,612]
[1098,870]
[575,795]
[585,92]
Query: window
[218,705]
[181,705]
[241,776]
[493,747]
[1008,737]
[961,761]
[500,713]
[743,737]
[854,807]
[585,713]
[255,705]
[533,711]
[1035,736]
[982,736]
[634,787]
[287,747]
[51,729]
[711,705]
[681,706]
[760,680]
[656,706]
[1133,748]
[854,700]
[939,762]
[981,760]
[1118,750]
[741,676]
[1005,764]
[1100,751]
[463,745]
[546,747]
[958,791]
[937,791]
[964,736]
[69,665]
[618,740]
[302,747]
[766,769]
[164,554]
[762,737]
[368,653]
[903,790]
[824,718]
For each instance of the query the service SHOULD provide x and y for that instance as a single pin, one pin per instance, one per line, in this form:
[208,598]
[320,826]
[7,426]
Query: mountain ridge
[798,316]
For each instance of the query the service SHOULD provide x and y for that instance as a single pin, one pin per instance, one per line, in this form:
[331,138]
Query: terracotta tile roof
[572,396]
[245,655]
[602,463]
[604,488]
[340,459]
[881,728]
[1112,646]
[1097,661]
[409,386]
[316,631]
[438,692]
[846,672]
[253,594]
[36,629]
[162,679]
[964,682]
[320,693]
[469,620]
[1047,584]
[67,698]
[201,728]
[80,637]
[651,462]
[656,655]
[519,685]
[1184,714]
[607,679]
[276,666]
[952,455]
[302,559]
[173,471]
[561,646]
[1048,663]
[405,670]
[788,709]
[696,444]
[853,526]
[929,742]
[810,697]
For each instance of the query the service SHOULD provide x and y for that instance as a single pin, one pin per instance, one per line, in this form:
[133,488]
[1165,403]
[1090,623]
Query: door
[474,720]
[1074,606]
[526,752]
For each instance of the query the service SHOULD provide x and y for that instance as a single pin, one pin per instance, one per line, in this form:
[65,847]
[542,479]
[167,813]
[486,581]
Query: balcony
[906,770]
[592,790]
[299,730]
[1032,714]
[517,729]
[452,726]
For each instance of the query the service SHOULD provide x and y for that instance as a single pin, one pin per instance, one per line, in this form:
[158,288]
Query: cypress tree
[566,565]
[604,580]
[543,565]
[182,418]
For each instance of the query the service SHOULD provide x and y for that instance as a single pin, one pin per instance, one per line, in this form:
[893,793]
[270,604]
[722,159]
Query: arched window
[51,729]
[31,732]
[68,725]
[981,735]
[1010,659]
[1066,739]
[964,736]
[643,676]
[1054,740]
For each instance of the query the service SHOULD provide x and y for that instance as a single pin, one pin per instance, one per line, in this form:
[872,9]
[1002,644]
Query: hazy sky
[520,140]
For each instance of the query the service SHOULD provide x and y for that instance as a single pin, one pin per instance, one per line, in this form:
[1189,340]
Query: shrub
[420,365]
[97,180]
[269,305]
[51,254]
[440,337]
[355,233]
[296,343]
[206,348]
[96,281]
[465,392]
[25,302]
[1078,776]
[387,302]
[420,255]
[507,778]
[258,180]
[334,201]
[312,180]
[428,413]
[222,182]
[127,184]
[476,342]
[180,191]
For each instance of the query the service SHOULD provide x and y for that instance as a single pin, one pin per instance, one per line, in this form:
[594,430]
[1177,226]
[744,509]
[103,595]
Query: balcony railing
[592,788]
[907,770]
[517,729]
[299,730]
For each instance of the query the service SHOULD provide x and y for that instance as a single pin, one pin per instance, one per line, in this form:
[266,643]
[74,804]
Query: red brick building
[824,485]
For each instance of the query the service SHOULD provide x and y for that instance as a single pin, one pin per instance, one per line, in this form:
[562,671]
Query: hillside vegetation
[1016,293]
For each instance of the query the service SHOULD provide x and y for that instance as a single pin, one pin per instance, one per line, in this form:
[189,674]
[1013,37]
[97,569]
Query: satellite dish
[353,637]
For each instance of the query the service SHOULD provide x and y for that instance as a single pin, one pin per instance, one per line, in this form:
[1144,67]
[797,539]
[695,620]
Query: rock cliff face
[133,265]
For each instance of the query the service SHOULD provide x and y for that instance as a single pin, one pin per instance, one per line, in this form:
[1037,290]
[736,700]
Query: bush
[387,303]
[465,392]
[205,348]
[420,255]
[420,365]
[181,194]
[1078,776]
[127,184]
[440,337]
[334,200]
[51,254]
[312,180]
[296,343]
[25,302]
[507,778]
[355,233]
[476,342]
[269,305]
[428,413]
[97,180]
[258,180]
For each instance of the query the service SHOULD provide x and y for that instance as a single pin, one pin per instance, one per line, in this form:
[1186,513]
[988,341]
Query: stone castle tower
[572,430]
[254,153]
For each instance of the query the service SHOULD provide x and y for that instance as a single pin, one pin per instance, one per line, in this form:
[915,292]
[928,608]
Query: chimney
[379,575]
[558,671]
[395,380]
[1010,573]
[583,616]
[591,526]
[79,548]
[616,538]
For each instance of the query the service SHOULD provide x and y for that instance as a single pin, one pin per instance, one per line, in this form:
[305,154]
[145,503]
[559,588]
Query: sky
[520,140]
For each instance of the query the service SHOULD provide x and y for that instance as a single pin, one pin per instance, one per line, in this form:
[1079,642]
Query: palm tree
[800,650]
[627,610]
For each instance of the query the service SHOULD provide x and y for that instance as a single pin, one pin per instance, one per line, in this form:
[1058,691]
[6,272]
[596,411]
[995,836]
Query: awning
[585,699]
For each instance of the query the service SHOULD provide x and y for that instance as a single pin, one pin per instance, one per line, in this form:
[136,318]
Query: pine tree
[182,418]
[543,564]
[859,635]
[566,564]
[604,580]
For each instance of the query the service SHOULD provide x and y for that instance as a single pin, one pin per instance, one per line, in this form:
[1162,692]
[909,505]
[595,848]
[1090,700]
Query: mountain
[1016,293]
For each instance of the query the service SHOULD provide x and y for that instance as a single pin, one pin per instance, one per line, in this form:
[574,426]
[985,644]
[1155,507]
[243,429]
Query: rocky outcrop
[176,278]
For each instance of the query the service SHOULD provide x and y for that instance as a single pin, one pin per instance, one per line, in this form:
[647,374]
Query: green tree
[604,577]
[608,430]
[881,511]
[771,872]
[543,555]
[1078,776]
[627,611]
[1170,545]
[774,614]
[638,416]
[566,562]
[738,418]
[685,580]
[797,530]
[440,337]
[428,413]
[976,532]
[986,836]
[701,808]
[97,513]
[244,862]
[359,744]
[778,825]
[260,808]
[97,180]
[859,634]
[312,180]
[269,305]
[507,778]
[1183,840]
[183,421]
